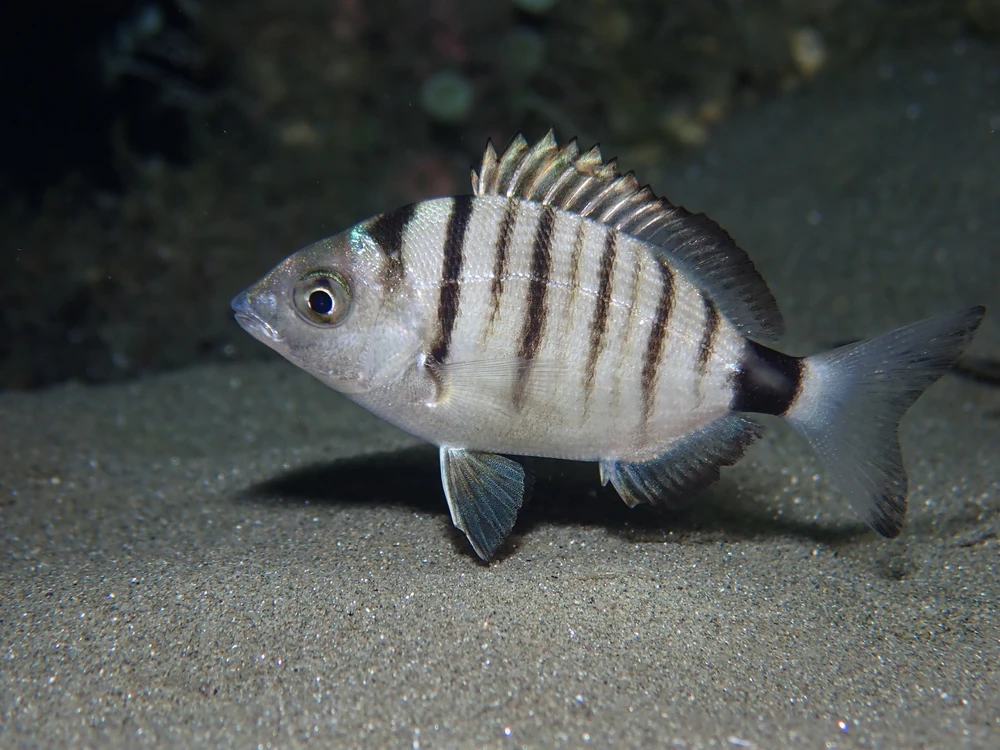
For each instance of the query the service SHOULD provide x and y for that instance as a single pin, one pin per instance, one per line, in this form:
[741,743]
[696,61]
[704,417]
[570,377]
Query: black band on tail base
[767,381]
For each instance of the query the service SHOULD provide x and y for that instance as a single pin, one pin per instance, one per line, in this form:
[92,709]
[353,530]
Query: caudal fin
[851,400]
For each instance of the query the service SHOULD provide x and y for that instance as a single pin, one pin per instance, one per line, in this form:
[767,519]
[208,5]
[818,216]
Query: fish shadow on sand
[565,493]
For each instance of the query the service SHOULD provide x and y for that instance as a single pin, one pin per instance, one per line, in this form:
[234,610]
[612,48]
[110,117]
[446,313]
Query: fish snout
[250,320]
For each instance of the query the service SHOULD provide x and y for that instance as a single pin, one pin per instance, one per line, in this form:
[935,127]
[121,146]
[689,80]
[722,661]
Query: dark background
[158,155]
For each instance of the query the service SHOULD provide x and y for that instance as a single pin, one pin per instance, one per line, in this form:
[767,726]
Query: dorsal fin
[587,185]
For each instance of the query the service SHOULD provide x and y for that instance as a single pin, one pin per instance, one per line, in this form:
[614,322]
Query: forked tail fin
[851,400]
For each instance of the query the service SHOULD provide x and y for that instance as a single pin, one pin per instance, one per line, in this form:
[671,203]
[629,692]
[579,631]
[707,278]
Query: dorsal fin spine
[531,166]
[595,202]
[508,160]
[627,199]
[558,184]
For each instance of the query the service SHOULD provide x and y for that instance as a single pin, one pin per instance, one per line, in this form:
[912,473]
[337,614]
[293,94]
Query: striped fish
[563,310]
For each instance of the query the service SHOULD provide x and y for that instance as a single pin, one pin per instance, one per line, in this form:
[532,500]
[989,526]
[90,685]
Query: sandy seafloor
[237,556]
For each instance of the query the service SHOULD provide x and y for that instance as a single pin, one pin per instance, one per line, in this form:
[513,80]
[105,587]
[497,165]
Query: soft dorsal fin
[587,185]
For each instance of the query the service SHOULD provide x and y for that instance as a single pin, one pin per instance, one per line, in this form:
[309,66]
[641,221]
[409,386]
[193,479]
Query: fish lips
[251,322]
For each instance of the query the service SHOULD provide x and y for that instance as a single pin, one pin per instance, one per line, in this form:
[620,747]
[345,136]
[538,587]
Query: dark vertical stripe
[504,236]
[387,230]
[707,345]
[599,321]
[574,261]
[569,310]
[767,381]
[451,269]
[535,313]
[625,348]
[633,300]
[657,334]
[574,265]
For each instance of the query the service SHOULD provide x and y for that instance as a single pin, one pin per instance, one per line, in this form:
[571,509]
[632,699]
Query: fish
[563,310]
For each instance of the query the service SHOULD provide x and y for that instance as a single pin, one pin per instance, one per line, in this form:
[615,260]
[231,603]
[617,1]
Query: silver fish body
[565,311]
[547,353]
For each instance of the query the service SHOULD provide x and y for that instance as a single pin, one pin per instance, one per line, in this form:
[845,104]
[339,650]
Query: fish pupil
[321,302]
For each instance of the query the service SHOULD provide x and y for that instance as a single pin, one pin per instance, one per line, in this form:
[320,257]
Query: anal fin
[691,464]
[484,492]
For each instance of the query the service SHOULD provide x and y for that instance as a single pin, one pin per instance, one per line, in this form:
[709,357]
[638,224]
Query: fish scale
[564,310]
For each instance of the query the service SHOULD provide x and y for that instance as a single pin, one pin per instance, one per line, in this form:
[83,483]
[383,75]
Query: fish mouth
[251,322]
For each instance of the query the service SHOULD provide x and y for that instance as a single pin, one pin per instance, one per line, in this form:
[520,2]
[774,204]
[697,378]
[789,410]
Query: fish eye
[323,298]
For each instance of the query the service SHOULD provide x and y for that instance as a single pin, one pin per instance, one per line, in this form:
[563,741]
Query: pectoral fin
[690,465]
[484,492]
[496,384]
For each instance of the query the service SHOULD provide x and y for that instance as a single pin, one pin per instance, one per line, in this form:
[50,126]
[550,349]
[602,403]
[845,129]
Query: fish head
[340,309]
